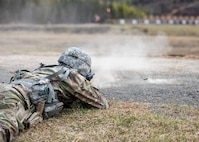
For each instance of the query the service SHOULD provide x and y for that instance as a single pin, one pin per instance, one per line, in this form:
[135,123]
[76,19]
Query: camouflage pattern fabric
[16,108]
[75,86]
[77,59]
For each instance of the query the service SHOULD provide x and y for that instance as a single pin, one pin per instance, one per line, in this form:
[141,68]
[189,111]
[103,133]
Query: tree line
[65,11]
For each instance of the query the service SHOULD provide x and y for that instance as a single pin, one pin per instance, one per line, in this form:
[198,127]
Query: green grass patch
[124,121]
[170,30]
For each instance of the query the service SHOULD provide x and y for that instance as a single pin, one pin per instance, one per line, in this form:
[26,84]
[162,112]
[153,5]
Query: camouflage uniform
[15,108]
[18,112]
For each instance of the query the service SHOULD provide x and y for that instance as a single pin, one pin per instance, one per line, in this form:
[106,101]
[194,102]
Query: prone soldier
[33,96]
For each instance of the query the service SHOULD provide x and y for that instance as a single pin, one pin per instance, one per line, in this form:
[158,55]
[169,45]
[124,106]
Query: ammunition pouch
[42,93]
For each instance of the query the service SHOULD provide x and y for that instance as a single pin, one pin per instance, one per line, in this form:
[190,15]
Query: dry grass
[124,121]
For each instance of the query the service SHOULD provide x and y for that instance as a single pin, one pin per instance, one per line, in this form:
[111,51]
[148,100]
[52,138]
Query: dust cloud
[125,53]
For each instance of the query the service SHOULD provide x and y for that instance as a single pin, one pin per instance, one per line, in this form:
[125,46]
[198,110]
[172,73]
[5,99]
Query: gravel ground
[167,81]
[175,82]
[159,87]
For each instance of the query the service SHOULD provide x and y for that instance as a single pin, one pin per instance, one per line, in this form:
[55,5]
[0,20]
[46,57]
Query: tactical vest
[42,93]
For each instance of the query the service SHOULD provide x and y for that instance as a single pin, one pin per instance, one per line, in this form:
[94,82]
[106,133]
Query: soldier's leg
[12,112]
[9,127]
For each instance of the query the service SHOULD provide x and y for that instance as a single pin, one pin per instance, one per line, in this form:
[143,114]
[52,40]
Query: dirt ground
[152,69]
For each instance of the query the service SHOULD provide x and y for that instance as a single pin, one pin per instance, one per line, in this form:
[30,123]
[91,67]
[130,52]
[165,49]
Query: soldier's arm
[82,89]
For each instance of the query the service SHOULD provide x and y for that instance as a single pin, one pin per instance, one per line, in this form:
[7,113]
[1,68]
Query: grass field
[123,122]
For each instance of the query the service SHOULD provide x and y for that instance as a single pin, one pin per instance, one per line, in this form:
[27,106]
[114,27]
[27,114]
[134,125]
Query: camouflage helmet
[77,59]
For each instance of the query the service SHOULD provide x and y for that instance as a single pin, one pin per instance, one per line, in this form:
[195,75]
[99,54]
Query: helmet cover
[76,58]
